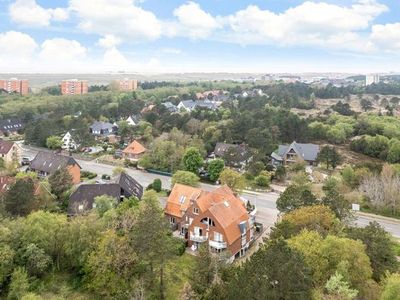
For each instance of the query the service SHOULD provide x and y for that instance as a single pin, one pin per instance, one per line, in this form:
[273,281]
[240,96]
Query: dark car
[25,161]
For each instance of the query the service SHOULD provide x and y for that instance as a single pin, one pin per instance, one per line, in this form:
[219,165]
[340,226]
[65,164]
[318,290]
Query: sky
[162,36]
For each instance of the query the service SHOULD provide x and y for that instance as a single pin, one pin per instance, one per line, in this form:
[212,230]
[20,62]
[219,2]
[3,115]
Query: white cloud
[386,37]
[114,59]
[109,41]
[171,51]
[121,18]
[28,12]
[193,22]
[62,50]
[15,46]
[310,23]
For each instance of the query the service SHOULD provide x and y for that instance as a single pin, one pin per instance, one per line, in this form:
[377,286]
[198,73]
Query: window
[195,210]
[218,237]
[172,220]
[182,199]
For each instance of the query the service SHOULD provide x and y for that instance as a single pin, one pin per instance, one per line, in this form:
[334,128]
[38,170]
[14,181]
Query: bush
[180,246]
[157,185]
[262,181]
[130,164]
[105,177]
[89,175]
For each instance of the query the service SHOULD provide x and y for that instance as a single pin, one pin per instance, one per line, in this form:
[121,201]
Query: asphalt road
[265,202]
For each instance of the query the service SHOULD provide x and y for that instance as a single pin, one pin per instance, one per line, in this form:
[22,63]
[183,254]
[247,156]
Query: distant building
[134,151]
[237,156]
[372,79]
[100,128]
[127,84]
[11,126]
[10,152]
[46,163]
[133,120]
[170,106]
[123,186]
[74,87]
[190,105]
[68,142]
[288,154]
[15,85]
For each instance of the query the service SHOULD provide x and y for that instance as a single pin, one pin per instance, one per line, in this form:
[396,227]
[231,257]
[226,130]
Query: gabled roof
[308,152]
[242,151]
[222,204]
[134,148]
[129,185]
[189,104]
[10,125]
[179,199]
[50,162]
[122,185]
[5,146]
[171,107]
[227,210]
[100,125]
[84,195]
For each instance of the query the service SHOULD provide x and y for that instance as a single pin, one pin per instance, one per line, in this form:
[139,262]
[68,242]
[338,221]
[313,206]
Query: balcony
[217,245]
[198,238]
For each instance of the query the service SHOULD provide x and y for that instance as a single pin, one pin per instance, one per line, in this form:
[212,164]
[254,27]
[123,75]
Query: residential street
[265,202]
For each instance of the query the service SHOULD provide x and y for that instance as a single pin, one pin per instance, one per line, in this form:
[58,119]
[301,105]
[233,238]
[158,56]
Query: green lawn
[177,274]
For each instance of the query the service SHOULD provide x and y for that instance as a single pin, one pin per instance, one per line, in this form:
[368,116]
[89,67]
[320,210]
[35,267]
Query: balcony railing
[217,245]
[197,238]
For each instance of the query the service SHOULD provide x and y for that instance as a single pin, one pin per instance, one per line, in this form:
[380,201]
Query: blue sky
[200,36]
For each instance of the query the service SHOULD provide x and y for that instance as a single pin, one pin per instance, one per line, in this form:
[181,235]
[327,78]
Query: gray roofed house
[103,128]
[46,163]
[129,185]
[190,105]
[12,125]
[82,199]
[233,155]
[123,186]
[170,107]
[294,152]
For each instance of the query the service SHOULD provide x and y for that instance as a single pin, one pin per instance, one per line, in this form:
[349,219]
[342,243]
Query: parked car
[25,161]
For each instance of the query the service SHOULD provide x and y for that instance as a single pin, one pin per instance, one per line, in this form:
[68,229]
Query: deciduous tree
[192,160]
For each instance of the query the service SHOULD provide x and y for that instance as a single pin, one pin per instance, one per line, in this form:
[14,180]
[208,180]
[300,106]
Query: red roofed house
[134,151]
[10,152]
[219,217]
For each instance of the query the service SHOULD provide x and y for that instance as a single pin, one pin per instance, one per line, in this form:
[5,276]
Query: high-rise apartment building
[15,85]
[127,84]
[74,87]
[372,79]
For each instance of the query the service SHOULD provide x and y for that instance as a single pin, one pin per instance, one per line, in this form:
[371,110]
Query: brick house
[10,152]
[218,217]
[133,151]
[46,163]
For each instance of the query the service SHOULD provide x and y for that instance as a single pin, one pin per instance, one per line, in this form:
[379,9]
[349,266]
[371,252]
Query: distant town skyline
[144,36]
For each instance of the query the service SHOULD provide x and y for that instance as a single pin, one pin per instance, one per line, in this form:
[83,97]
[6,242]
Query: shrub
[157,185]
[89,175]
[262,181]
[180,246]
[105,177]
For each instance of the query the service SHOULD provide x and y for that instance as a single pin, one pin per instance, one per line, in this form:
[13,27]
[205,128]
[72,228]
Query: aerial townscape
[200,150]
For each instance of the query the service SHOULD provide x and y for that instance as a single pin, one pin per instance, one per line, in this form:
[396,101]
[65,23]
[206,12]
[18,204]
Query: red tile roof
[134,148]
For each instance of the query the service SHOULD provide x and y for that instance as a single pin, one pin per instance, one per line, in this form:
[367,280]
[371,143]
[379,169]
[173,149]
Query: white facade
[131,121]
[372,79]
[68,142]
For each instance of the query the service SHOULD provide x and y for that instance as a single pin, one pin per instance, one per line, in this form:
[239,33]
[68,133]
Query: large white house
[68,142]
